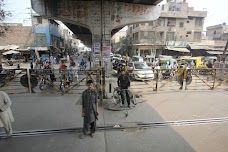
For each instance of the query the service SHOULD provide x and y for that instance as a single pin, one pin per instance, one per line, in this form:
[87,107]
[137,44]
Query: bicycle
[44,80]
[118,100]
[64,82]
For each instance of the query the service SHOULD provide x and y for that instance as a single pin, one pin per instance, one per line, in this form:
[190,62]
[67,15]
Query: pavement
[35,112]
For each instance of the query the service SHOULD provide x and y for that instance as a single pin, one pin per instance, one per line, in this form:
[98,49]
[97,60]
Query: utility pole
[155,38]
[224,53]
[101,58]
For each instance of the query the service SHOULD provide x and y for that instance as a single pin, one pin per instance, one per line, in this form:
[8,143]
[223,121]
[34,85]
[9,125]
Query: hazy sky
[217,10]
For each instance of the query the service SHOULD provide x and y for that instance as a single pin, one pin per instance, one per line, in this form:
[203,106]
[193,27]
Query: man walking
[6,117]
[89,110]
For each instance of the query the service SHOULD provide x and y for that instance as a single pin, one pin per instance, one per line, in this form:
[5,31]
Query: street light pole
[101,58]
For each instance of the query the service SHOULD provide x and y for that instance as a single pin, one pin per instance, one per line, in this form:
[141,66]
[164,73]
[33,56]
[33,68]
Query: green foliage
[3,15]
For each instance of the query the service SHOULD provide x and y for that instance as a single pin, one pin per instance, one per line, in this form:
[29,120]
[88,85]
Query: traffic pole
[100,79]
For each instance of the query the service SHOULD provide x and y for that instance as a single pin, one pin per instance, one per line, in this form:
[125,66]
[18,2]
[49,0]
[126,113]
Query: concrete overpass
[97,20]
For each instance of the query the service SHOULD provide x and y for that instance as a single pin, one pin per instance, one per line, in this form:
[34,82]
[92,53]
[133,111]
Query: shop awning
[185,50]
[9,47]
[10,52]
[198,47]
[215,52]
[40,48]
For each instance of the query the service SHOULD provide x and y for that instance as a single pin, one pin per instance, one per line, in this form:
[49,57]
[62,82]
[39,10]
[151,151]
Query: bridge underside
[50,9]
[85,35]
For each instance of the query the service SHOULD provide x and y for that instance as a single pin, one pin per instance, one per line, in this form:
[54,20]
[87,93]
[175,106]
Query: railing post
[184,84]
[158,72]
[29,82]
[100,80]
[103,83]
[214,79]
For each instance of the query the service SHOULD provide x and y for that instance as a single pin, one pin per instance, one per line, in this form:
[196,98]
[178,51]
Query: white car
[140,71]
[111,54]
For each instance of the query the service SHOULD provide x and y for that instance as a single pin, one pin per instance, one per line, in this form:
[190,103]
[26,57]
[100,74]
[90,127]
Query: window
[130,30]
[39,20]
[161,35]
[197,36]
[190,18]
[145,34]
[187,21]
[142,24]
[171,22]
[170,36]
[186,35]
[151,23]
[160,22]
[189,32]
[163,7]
[136,36]
[40,39]
[214,32]
[181,24]
[199,21]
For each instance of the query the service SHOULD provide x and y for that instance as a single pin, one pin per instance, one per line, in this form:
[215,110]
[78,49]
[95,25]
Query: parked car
[140,71]
[137,59]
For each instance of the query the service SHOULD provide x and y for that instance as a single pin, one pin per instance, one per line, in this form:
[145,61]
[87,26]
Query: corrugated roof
[9,47]
[215,52]
[178,49]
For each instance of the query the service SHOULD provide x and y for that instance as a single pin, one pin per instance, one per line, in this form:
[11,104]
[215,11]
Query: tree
[3,15]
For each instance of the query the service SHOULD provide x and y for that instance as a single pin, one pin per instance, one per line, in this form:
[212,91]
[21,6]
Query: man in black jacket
[124,83]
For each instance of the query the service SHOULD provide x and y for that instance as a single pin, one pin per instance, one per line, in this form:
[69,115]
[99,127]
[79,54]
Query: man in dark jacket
[124,83]
[89,109]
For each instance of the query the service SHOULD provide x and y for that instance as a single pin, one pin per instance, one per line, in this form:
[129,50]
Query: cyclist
[72,72]
[82,64]
[47,69]
[124,83]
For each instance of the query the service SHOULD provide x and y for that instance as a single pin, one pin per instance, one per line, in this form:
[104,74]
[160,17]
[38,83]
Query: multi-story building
[177,22]
[45,32]
[217,32]
[16,37]
[118,42]
[51,36]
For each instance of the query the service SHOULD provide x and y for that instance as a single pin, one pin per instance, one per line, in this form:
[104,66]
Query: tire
[41,86]
[61,88]
[116,97]
[133,100]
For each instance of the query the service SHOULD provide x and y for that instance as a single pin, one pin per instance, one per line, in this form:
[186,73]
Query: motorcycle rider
[82,64]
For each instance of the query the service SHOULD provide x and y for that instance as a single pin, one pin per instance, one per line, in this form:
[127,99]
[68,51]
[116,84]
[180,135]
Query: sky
[217,11]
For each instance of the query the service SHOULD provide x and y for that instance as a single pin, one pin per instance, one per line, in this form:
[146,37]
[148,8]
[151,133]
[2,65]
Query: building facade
[17,35]
[118,42]
[52,36]
[217,32]
[177,22]
[45,32]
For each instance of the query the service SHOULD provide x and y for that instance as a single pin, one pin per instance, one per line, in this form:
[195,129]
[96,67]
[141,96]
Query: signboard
[96,47]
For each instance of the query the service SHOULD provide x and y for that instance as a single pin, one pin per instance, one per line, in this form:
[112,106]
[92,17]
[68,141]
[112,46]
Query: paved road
[34,112]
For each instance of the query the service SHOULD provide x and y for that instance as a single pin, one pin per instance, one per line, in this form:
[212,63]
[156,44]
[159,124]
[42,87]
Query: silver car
[140,71]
